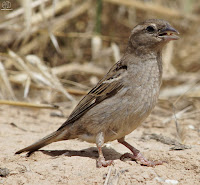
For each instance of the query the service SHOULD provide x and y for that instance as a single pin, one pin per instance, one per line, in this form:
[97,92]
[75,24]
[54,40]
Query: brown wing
[106,88]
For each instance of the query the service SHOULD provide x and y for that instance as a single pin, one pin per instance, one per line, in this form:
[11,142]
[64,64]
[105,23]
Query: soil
[74,162]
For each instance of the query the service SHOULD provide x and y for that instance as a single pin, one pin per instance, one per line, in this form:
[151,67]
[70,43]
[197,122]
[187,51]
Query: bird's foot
[141,159]
[101,162]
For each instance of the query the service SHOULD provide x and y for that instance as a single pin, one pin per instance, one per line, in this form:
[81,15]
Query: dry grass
[54,47]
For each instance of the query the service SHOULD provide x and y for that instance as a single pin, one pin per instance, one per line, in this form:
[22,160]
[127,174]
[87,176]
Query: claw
[141,159]
[137,156]
[101,162]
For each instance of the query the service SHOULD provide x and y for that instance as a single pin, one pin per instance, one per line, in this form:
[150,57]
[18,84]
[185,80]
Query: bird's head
[152,35]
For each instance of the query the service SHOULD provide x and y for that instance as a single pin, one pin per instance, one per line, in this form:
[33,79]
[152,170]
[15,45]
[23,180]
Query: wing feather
[107,87]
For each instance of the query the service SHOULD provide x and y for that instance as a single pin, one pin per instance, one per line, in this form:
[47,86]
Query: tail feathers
[53,137]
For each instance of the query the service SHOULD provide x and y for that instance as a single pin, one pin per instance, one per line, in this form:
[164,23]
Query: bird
[123,98]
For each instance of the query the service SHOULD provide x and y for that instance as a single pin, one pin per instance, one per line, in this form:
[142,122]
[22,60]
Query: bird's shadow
[109,153]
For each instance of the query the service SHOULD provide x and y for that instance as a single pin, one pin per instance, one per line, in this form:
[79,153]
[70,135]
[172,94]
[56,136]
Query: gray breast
[139,100]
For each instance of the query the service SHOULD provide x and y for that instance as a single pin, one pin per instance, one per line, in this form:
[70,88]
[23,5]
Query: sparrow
[123,98]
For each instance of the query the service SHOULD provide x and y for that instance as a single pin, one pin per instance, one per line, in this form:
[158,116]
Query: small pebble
[57,114]
[4,172]
[191,127]
[159,179]
[108,145]
[168,181]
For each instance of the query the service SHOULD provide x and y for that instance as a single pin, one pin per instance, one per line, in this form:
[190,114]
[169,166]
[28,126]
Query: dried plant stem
[69,90]
[156,8]
[30,105]
[108,176]
[49,11]
[176,115]
[39,73]
[20,11]
[85,35]
[84,68]
[6,82]
[98,16]
[190,87]
[180,131]
[61,21]
[180,91]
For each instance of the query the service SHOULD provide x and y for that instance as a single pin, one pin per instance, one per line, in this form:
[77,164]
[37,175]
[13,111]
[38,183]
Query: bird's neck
[143,50]
[147,55]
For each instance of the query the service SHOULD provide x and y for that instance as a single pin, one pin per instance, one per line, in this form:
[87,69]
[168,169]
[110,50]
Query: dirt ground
[74,162]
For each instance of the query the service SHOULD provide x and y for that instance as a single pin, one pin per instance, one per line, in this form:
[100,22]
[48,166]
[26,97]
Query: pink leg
[101,162]
[137,156]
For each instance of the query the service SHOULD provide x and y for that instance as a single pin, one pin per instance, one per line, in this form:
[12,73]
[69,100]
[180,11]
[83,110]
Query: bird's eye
[150,29]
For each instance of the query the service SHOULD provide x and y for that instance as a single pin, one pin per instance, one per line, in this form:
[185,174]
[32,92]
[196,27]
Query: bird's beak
[169,33]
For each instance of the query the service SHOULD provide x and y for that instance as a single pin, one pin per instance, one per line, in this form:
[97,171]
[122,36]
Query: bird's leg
[137,156]
[101,162]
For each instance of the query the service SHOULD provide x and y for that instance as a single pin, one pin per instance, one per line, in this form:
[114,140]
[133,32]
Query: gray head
[151,35]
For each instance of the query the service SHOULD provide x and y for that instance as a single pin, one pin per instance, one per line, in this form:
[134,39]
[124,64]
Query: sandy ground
[74,162]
